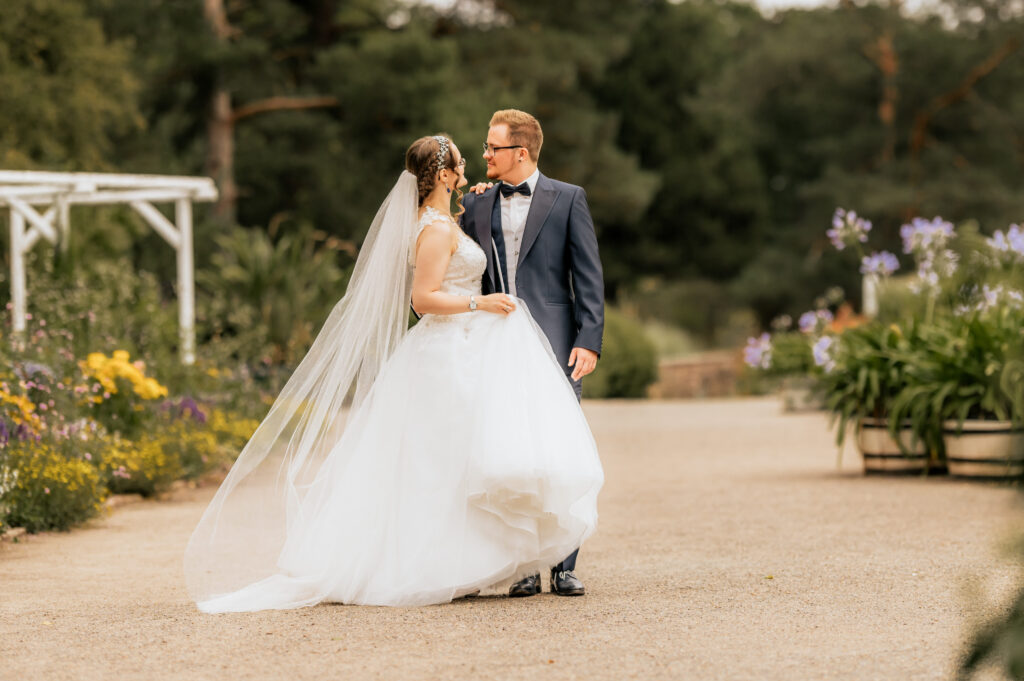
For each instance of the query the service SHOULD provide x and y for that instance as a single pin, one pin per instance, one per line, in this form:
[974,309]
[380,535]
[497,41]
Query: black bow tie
[508,190]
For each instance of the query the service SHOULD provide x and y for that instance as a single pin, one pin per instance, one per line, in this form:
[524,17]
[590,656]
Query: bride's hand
[498,303]
[481,187]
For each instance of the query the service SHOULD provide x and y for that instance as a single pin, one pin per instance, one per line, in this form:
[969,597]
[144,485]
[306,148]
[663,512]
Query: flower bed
[73,432]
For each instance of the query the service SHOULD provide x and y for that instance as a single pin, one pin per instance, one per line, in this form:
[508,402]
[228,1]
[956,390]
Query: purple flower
[922,236]
[1011,243]
[927,240]
[882,264]
[848,229]
[32,368]
[815,321]
[758,353]
[822,352]
[185,407]
[808,321]
[989,298]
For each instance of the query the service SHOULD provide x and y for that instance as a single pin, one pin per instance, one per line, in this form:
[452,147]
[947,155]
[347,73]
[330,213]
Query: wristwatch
[472,303]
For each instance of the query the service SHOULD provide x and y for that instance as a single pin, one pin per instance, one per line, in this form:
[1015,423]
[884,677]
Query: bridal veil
[241,534]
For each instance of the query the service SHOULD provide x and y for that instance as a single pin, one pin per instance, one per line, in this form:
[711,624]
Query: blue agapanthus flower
[848,229]
[815,321]
[922,237]
[883,264]
[1011,243]
[822,352]
[758,353]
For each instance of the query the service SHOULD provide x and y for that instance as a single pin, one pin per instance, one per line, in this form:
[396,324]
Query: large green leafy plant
[869,370]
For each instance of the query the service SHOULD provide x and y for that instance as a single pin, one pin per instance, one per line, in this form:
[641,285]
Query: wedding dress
[466,462]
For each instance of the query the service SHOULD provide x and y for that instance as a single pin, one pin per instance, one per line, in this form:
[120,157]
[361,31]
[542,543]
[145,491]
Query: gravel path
[730,547]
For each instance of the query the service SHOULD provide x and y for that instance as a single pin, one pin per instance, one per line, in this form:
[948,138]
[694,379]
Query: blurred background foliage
[714,141]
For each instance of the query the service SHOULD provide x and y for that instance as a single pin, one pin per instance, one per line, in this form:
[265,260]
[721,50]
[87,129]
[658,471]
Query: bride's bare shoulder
[437,228]
[437,225]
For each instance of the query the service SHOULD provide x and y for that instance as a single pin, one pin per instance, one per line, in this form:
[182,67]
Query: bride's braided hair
[428,156]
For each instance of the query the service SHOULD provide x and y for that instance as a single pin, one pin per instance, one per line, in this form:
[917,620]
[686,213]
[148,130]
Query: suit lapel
[482,209]
[544,196]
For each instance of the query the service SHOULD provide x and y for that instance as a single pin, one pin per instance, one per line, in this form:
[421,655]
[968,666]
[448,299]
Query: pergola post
[186,291]
[63,224]
[18,290]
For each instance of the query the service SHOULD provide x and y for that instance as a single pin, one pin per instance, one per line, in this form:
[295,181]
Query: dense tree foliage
[714,142]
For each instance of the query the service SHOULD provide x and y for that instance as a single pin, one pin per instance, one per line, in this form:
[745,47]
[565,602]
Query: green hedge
[628,364]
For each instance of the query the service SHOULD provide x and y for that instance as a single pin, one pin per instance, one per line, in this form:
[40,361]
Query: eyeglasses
[488,149]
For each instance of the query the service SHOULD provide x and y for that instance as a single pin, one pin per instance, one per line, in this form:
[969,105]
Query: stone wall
[708,374]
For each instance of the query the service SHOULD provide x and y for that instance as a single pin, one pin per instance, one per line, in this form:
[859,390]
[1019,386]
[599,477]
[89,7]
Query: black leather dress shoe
[527,586]
[565,583]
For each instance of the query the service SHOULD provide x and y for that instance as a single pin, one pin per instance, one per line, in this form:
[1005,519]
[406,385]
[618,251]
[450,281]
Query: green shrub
[270,295]
[628,363]
[203,439]
[40,489]
[143,466]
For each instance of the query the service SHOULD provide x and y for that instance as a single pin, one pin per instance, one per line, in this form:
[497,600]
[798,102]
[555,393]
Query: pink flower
[46,490]
[42,406]
[28,315]
[106,395]
[42,322]
[60,386]
[88,456]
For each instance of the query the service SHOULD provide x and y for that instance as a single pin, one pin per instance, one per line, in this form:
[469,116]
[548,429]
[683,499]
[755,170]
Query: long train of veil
[241,534]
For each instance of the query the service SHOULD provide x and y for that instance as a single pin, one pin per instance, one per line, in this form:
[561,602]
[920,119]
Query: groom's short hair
[523,129]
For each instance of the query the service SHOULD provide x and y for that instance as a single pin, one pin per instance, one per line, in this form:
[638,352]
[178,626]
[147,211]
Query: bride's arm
[434,249]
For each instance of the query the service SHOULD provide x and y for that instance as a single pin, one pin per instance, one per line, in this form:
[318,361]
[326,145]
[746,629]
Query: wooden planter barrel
[881,453]
[984,450]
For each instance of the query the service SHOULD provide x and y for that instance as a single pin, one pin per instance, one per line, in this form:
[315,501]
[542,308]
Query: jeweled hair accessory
[442,151]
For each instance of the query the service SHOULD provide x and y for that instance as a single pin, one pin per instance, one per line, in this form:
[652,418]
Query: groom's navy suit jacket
[558,274]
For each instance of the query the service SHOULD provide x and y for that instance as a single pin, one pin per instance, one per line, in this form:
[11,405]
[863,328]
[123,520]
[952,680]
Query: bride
[405,466]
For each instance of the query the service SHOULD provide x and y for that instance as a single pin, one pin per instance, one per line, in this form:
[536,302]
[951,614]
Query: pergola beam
[40,196]
[157,221]
[35,177]
[33,235]
[45,227]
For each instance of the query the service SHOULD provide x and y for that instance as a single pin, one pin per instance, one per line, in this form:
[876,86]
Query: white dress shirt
[514,210]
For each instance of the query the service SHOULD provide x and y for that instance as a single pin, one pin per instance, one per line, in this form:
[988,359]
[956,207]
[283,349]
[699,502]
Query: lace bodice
[468,262]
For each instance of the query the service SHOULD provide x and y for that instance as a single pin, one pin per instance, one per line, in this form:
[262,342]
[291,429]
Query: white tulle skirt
[470,463]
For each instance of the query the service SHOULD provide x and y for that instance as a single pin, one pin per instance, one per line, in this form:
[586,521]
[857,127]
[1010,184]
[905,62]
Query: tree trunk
[220,154]
[220,133]
[222,117]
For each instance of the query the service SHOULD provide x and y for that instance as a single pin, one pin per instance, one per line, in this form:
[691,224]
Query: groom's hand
[584,361]
[481,187]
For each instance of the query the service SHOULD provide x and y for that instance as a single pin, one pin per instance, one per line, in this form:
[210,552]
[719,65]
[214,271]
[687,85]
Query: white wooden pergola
[40,208]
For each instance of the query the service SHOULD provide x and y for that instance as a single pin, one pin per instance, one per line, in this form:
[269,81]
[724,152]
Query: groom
[541,247]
